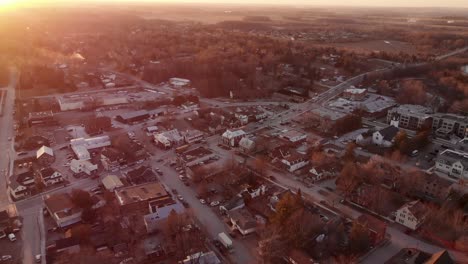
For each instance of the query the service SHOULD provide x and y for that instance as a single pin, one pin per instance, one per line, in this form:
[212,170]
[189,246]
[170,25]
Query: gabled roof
[416,208]
[441,257]
[233,133]
[44,150]
[389,132]
[47,172]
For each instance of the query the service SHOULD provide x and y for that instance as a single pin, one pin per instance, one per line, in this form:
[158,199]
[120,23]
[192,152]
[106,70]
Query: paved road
[203,213]
[6,133]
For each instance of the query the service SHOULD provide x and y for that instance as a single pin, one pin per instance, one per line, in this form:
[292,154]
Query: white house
[81,146]
[295,162]
[50,176]
[384,137]
[246,145]
[294,136]
[233,137]
[179,82]
[85,166]
[453,163]
[411,215]
[243,221]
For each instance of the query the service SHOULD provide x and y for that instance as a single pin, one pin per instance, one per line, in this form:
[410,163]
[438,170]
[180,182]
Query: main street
[6,142]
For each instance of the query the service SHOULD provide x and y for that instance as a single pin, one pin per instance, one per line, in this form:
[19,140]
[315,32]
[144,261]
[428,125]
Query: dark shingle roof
[389,132]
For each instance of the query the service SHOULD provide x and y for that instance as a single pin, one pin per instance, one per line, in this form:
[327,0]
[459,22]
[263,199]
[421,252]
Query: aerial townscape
[233,133]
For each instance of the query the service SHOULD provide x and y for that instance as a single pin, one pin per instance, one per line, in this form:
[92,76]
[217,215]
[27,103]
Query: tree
[82,232]
[260,165]
[359,238]
[349,152]
[81,198]
[88,215]
[284,208]
[412,92]
[348,180]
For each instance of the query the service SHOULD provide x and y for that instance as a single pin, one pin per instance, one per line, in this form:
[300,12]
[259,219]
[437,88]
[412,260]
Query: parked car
[6,257]
[12,237]
[185,204]
[202,201]
[38,258]
[180,197]
[215,203]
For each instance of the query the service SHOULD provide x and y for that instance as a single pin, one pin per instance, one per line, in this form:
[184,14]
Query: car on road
[180,198]
[271,177]
[9,138]
[185,204]
[12,237]
[174,191]
[22,153]
[6,257]
[202,201]
[38,258]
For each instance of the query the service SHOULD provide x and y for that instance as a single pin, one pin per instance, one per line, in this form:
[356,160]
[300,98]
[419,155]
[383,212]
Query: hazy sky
[393,3]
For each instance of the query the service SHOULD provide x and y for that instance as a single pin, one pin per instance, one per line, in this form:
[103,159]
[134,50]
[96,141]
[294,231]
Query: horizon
[297,3]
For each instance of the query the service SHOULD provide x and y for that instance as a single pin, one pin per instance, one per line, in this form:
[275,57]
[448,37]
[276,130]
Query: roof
[452,117]
[416,208]
[233,133]
[112,154]
[243,218]
[142,192]
[355,90]
[389,132]
[140,175]
[134,114]
[44,150]
[292,133]
[47,172]
[58,202]
[66,242]
[247,143]
[413,110]
[202,258]
[450,157]
[234,202]
[324,112]
[441,257]
[112,182]
[23,177]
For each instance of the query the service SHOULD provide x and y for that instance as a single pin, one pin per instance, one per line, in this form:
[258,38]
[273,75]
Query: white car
[6,257]
[180,197]
[215,203]
[38,258]
[202,201]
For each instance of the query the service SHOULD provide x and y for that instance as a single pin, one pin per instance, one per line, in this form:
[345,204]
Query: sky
[393,3]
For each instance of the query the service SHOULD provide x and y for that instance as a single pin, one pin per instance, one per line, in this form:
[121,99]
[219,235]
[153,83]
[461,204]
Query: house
[69,245]
[236,202]
[246,145]
[243,221]
[85,166]
[169,138]
[81,146]
[62,209]
[39,118]
[355,94]
[411,215]
[193,136]
[141,175]
[233,137]
[45,156]
[453,163]
[179,82]
[294,136]
[202,258]
[324,171]
[295,161]
[377,228]
[433,188]
[195,156]
[364,138]
[416,256]
[20,185]
[49,176]
[112,182]
[112,159]
[385,137]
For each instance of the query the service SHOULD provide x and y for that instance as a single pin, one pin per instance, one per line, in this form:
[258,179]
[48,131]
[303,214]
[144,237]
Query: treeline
[44,78]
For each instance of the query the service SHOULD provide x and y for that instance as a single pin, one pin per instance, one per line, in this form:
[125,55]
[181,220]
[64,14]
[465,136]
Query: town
[138,139]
